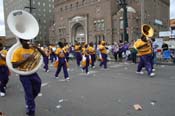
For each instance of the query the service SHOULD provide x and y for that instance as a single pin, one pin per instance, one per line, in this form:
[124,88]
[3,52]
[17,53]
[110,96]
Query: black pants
[116,56]
[4,72]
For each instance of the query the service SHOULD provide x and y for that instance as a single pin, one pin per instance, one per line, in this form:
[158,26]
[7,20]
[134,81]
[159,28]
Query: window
[83,1]
[65,7]
[76,4]
[62,31]
[38,3]
[99,25]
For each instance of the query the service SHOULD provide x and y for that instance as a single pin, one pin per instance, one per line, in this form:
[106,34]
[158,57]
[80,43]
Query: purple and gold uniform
[31,83]
[85,54]
[46,59]
[4,72]
[66,51]
[103,51]
[144,49]
[62,63]
[92,53]
[78,56]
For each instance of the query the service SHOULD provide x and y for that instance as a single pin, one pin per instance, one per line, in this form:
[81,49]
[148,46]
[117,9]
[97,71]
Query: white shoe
[87,73]
[67,78]
[2,94]
[141,72]
[153,69]
[56,77]
[152,74]
[47,71]
[93,67]
[81,70]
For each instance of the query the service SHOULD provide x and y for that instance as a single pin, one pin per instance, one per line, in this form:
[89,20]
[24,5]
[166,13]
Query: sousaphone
[23,25]
[147,30]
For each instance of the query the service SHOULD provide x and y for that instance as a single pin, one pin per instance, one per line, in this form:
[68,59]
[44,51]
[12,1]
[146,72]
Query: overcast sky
[2,27]
[172,9]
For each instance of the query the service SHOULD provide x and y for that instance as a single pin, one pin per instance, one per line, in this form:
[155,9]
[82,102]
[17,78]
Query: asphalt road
[111,92]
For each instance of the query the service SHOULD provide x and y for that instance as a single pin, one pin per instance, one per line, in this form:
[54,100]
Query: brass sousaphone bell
[147,30]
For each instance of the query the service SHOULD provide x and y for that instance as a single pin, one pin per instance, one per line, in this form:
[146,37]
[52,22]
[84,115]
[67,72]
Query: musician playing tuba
[23,58]
[144,49]
[32,82]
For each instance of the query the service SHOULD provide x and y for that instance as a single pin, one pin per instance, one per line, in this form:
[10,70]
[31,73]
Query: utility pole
[30,10]
[123,5]
[30,6]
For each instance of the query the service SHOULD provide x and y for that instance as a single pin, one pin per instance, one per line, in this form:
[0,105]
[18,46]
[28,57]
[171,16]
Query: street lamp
[123,5]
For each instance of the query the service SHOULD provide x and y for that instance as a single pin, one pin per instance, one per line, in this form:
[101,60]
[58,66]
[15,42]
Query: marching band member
[92,53]
[144,49]
[103,52]
[52,53]
[85,59]
[32,82]
[62,61]
[4,71]
[46,59]
[78,56]
[67,50]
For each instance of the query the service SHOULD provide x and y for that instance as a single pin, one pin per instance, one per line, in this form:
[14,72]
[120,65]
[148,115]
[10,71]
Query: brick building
[94,20]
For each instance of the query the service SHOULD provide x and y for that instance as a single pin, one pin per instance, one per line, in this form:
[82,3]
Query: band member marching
[46,59]
[67,50]
[52,49]
[92,53]
[78,56]
[86,59]
[4,71]
[103,52]
[144,49]
[32,82]
[62,61]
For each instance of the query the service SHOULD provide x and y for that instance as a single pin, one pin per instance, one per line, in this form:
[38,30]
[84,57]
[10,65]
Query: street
[110,92]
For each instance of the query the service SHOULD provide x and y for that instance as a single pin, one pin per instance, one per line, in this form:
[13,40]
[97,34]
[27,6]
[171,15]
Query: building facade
[10,5]
[94,20]
[42,11]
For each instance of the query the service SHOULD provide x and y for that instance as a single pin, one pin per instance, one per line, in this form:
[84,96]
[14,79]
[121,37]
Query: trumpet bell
[23,24]
[147,30]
